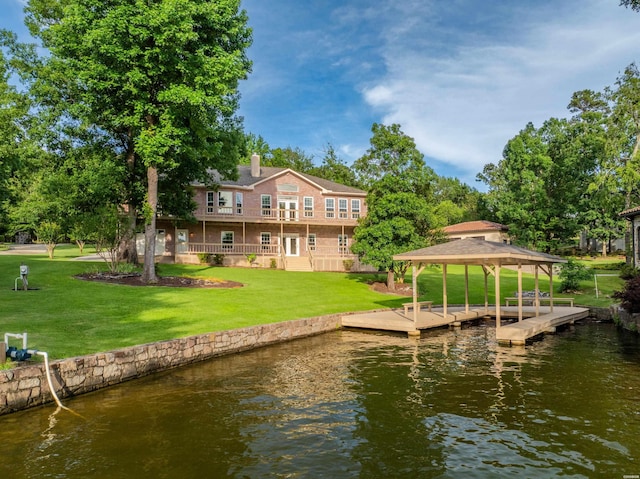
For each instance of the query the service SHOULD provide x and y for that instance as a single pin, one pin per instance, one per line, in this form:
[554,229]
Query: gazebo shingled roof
[477,251]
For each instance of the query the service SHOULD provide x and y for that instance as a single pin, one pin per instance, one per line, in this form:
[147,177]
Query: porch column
[204,237]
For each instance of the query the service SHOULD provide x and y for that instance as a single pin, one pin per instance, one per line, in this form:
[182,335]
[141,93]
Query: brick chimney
[255,165]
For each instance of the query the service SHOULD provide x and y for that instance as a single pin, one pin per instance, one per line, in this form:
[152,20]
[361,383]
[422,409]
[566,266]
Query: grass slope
[68,317]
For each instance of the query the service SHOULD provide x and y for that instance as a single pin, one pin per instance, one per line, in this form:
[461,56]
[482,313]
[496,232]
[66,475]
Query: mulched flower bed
[134,279]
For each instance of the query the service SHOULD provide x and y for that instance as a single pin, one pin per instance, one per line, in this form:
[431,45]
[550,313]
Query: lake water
[356,405]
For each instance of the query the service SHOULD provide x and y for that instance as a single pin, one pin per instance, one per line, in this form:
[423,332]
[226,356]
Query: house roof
[267,172]
[631,212]
[477,251]
[475,226]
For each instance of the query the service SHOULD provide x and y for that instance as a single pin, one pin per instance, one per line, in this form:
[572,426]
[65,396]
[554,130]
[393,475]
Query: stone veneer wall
[26,386]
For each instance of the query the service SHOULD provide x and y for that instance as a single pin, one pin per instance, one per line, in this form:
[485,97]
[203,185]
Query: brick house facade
[287,219]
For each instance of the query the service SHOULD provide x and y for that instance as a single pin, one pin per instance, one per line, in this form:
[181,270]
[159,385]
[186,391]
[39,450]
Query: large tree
[159,76]
[15,143]
[537,188]
[400,214]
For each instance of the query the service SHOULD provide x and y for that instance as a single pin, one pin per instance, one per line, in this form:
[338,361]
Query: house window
[343,244]
[227,240]
[342,208]
[265,240]
[308,206]
[211,202]
[225,199]
[311,242]
[265,201]
[355,209]
[330,208]
[239,203]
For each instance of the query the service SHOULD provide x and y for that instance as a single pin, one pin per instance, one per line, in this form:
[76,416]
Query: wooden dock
[513,333]
[396,320]
[517,333]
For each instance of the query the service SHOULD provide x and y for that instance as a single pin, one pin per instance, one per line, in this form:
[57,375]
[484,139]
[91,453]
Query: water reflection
[452,404]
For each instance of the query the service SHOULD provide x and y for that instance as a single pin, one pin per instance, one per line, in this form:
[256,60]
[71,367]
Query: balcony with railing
[278,215]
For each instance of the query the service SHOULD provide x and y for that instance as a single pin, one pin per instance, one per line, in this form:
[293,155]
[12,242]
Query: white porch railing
[219,248]
[279,215]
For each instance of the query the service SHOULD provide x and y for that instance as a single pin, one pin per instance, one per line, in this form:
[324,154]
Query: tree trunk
[391,283]
[127,250]
[149,270]
[604,248]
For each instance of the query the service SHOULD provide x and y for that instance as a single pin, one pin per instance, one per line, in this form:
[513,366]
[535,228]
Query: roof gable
[268,173]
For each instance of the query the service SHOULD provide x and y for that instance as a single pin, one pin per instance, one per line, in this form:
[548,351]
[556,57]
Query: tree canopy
[400,211]
[159,77]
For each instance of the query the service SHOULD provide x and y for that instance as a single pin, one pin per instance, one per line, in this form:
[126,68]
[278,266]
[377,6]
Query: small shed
[491,256]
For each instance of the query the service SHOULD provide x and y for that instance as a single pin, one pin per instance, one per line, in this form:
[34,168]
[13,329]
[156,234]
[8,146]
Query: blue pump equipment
[23,354]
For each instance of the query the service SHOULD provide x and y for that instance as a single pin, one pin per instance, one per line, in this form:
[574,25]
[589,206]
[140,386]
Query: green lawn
[68,317]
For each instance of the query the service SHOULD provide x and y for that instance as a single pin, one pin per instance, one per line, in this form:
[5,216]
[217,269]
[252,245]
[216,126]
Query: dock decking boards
[514,333]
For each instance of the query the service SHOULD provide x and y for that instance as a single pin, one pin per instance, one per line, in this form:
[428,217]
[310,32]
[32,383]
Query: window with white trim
[265,201]
[311,242]
[308,206]
[343,247]
[355,209]
[225,202]
[211,202]
[330,208]
[226,238]
[265,240]
[239,202]
[343,213]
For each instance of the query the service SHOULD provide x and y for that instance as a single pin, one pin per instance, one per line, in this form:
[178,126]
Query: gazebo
[492,257]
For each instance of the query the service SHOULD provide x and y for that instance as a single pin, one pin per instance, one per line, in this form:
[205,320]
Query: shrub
[274,263]
[628,271]
[204,258]
[251,257]
[571,274]
[218,259]
[630,296]
[348,264]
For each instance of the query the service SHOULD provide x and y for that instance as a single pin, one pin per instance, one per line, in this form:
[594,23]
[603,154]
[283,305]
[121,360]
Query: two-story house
[288,220]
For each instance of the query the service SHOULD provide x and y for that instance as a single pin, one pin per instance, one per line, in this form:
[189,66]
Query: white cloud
[462,106]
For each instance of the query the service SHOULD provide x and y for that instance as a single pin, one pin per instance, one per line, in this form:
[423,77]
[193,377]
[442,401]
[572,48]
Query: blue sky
[461,77]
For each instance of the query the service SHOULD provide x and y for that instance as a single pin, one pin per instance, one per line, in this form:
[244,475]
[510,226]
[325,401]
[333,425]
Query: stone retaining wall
[26,386]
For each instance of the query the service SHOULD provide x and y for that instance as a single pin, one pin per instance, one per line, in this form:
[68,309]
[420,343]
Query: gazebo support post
[444,289]
[486,289]
[497,295]
[466,288]
[550,266]
[414,276]
[537,286]
[519,292]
